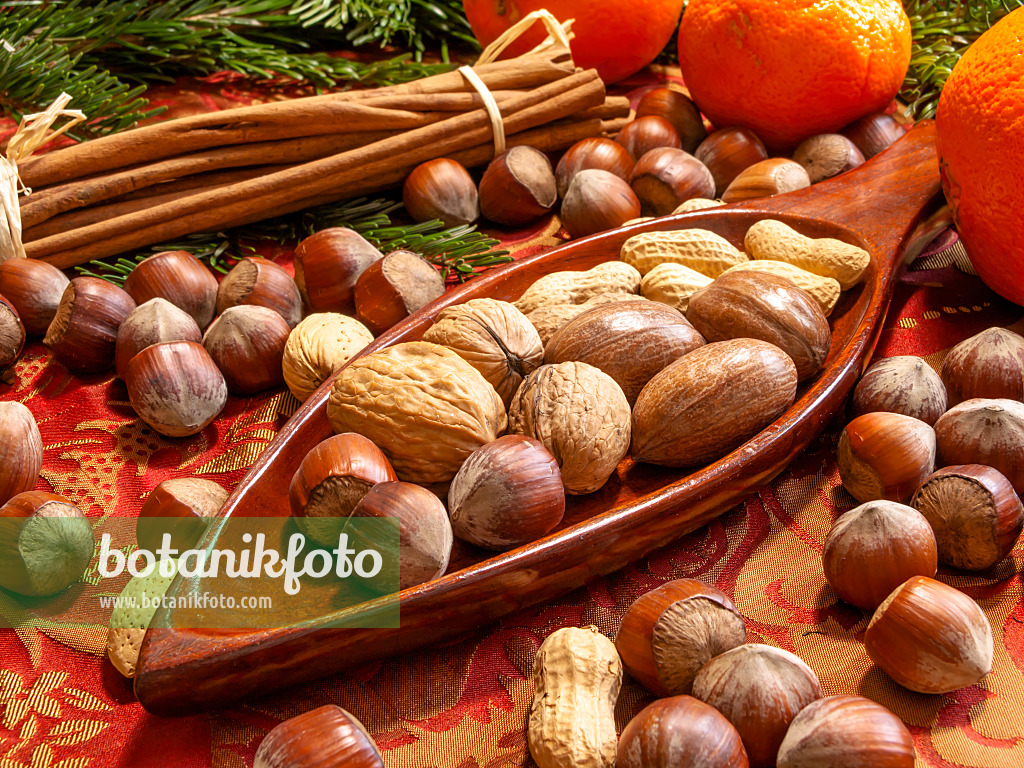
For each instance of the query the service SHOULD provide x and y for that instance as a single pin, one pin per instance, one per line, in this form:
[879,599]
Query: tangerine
[617,39]
[789,69]
[981,153]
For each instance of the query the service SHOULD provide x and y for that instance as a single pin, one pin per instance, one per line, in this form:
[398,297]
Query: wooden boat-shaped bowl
[881,206]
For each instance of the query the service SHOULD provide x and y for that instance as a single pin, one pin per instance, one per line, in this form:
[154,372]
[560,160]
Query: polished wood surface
[881,206]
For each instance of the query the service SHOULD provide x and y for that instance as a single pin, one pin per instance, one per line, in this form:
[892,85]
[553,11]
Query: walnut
[317,347]
[580,415]
[424,406]
[492,336]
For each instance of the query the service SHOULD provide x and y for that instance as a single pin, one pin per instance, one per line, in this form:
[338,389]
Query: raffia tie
[33,132]
[559,34]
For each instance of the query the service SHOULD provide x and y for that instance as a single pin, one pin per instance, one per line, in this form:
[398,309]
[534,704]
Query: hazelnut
[441,189]
[21,450]
[930,637]
[774,176]
[318,347]
[176,388]
[12,340]
[45,544]
[873,133]
[597,201]
[976,516]
[989,364]
[643,134]
[885,456]
[759,689]
[150,323]
[592,154]
[327,265]
[506,493]
[518,187]
[34,289]
[669,633]
[83,334]
[321,738]
[679,731]
[729,151]
[333,477]
[847,732]
[984,431]
[394,287]
[680,112]
[874,548]
[259,281]
[630,341]
[827,155]
[247,344]
[664,178]
[179,277]
[903,384]
[190,500]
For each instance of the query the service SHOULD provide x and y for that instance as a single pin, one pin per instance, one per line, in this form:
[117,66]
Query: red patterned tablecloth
[464,705]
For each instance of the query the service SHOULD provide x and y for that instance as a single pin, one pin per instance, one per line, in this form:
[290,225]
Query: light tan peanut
[577,287]
[699,249]
[577,676]
[824,290]
[547,320]
[697,204]
[825,256]
[672,284]
[639,220]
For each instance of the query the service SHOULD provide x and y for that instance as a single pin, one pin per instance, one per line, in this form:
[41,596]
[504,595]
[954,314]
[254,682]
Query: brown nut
[680,112]
[847,732]
[930,637]
[989,364]
[984,431]
[874,548]
[12,339]
[669,633]
[492,336]
[83,334]
[21,450]
[594,153]
[441,189]
[150,323]
[333,477]
[247,344]
[188,499]
[679,731]
[34,289]
[630,341]
[319,346]
[321,738]
[759,689]
[774,176]
[873,133]
[729,151]
[580,415]
[259,281]
[518,187]
[827,155]
[180,278]
[506,494]
[176,388]
[394,287]
[597,201]
[761,305]
[665,177]
[640,136]
[327,265]
[885,456]
[902,384]
[710,401]
[974,512]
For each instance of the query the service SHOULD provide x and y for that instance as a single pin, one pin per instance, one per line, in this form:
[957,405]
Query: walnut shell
[984,431]
[492,336]
[577,287]
[424,406]
[580,415]
[710,401]
[317,347]
[630,341]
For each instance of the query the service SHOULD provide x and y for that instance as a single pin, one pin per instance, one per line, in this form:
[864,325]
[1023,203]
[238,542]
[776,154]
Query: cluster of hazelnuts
[658,162]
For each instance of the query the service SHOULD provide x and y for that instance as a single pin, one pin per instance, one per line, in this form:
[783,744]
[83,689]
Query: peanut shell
[577,287]
[701,250]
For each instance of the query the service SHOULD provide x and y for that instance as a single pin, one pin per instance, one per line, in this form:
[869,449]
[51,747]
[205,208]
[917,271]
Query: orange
[980,124]
[617,38]
[789,69]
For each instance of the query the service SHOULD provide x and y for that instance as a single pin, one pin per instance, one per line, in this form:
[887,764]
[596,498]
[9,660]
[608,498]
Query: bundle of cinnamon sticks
[225,169]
